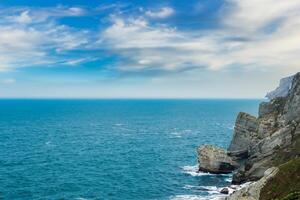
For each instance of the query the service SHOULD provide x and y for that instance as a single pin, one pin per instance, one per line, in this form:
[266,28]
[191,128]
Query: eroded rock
[215,160]
[245,133]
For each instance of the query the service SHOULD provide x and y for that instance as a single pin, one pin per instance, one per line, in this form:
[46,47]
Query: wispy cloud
[261,35]
[258,35]
[39,14]
[23,18]
[31,38]
[160,13]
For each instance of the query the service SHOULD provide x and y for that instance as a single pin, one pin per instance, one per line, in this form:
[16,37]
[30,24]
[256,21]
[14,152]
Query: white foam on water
[118,124]
[179,133]
[213,193]
[211,189]
[195,197]
[191,187]
[176,134]
[228,180]
[193,171]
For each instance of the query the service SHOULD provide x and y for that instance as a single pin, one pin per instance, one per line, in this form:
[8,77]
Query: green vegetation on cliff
[285,185]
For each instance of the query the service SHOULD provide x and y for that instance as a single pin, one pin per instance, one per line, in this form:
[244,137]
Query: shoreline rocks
[252,191]
[215,160]
[261,144]
[224,191]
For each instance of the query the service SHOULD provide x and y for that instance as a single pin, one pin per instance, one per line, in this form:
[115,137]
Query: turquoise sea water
[112,149]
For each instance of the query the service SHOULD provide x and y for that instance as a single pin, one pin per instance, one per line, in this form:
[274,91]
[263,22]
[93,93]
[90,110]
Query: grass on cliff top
[291,196]
[285,185]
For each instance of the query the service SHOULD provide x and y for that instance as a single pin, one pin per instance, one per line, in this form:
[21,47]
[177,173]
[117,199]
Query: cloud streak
[257,35]
[163,12]
[31,38]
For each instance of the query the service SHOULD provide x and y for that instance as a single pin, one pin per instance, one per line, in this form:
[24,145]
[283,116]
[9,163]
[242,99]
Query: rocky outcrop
[262,143]
[274,106]
[252,191]
[277,183]
[224,191]
[245,133]
[291,111]
[283,88]
[215,160]
[278,128]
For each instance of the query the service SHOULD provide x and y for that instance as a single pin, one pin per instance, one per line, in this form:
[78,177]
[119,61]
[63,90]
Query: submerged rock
[215,160]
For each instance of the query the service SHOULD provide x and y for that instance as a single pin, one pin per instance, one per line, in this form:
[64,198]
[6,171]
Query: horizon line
[132,98]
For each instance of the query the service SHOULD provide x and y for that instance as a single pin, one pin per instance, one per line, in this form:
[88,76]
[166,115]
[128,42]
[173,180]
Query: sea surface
[112,149]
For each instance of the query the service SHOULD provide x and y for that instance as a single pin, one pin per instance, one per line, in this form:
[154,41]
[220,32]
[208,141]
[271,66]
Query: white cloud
[260,35]
[29,39]
[23,18]
[25,15]
[254,15]
[161,13]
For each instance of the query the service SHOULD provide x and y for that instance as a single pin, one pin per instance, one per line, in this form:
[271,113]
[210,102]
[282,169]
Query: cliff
[261,145]
[283,88]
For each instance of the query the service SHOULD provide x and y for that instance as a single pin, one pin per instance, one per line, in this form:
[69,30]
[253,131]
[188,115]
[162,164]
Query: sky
[147,49]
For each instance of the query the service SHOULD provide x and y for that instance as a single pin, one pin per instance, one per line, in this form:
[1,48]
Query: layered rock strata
[260,143]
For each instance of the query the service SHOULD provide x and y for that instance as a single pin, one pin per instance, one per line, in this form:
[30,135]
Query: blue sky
[146,49]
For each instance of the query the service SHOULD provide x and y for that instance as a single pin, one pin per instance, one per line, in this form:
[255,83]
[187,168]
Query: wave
[213,190]
[195,197]
[176,134]
[209,189]
[180,133]
[228,179]
[193,171]
[118,124]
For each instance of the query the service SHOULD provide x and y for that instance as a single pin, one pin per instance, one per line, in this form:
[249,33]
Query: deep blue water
[111,149]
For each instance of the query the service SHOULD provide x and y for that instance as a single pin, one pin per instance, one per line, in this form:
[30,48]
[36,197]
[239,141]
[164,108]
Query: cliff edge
[260,145]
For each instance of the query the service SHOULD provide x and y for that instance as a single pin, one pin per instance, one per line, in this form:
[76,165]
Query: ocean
[112,149]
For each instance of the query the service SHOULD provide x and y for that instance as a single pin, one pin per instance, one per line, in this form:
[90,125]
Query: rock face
[285,184]
[215,160]
[245,133]
[262,143]
[224,191]
[278,129]
[252,191]
[283,88]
